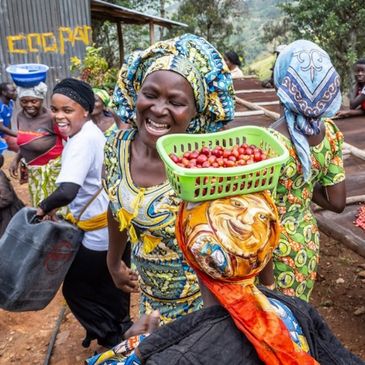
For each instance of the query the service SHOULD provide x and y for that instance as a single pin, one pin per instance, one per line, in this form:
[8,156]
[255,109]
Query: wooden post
[152,33]
[121,43]
[253,106]
[162,15]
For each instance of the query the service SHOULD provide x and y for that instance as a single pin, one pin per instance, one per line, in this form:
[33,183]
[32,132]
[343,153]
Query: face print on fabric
[231,238]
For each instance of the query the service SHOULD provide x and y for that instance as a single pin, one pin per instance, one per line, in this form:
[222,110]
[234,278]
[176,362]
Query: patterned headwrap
[39,91]
[104,97]
[309,88]
[228,242]
[198,62]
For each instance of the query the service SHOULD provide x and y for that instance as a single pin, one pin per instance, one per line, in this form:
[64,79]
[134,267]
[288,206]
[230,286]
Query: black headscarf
[77,90]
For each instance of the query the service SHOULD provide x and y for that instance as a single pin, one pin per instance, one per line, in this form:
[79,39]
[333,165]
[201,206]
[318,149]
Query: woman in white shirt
[101,308]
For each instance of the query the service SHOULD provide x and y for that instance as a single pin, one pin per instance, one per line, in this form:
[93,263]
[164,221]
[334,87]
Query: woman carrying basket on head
[40,143]
[176,86]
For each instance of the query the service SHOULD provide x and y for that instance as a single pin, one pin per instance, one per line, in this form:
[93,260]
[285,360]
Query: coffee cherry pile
[360,218]
[220,157]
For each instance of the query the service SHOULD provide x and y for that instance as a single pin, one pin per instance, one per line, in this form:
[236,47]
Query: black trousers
[100,307]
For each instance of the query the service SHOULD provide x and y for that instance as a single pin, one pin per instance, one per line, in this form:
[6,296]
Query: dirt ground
[339,295]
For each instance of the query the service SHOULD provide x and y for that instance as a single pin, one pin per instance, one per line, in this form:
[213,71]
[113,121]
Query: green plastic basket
[200,184]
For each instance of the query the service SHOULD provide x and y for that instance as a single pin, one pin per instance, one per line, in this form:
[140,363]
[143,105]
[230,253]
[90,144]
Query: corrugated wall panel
[43,31]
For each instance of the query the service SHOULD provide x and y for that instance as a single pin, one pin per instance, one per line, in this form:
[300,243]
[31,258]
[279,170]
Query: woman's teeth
[157,125]
[157,128]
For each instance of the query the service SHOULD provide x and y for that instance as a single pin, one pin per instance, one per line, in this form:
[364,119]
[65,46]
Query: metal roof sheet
[104,10]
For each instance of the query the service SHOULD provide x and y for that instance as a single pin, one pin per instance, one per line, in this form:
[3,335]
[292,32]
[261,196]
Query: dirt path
[338,295]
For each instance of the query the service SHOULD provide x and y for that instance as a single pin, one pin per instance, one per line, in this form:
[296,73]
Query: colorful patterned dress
[167,283]
[297,255]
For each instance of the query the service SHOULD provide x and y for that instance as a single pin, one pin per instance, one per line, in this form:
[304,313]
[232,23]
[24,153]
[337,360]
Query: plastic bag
[35,257]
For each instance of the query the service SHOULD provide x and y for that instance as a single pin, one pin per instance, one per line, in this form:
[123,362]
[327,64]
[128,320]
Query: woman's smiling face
[31,105]
[165,104]
[68,115]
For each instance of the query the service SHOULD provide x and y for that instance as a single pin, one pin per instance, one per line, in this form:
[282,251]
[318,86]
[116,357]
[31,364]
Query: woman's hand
[146,324]
[342,114]
[51,216]
[330,197]
[13,168]
[124,278]
[40,212]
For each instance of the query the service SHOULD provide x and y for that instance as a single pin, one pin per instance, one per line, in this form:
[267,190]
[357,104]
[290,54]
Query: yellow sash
[92,224]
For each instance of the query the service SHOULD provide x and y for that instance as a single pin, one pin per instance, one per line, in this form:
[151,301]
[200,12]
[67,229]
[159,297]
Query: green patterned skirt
[42,181]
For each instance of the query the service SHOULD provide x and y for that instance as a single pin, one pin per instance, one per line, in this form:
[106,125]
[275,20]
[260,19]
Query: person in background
[9,201]
[233,62]
[181,85]
[103,115]
[357,99]
[101,308]
[40,143]
[240,323]
[8,96]
[269,83]
[308,88]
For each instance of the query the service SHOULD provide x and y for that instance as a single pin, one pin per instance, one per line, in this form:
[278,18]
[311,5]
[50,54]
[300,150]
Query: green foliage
[211,19]
[262,67]
[134,36]
[94,69]
[253,28]
[336,25]
[277,32]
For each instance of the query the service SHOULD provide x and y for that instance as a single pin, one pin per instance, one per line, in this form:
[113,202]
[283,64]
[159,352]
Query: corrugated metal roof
[103,10]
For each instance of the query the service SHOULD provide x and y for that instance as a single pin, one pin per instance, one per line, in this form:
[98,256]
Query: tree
[336,25]
[211,19]
[277,32]
[134,36]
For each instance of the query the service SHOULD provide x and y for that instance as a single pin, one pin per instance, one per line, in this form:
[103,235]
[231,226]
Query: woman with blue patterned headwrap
[174,86]
[308,87]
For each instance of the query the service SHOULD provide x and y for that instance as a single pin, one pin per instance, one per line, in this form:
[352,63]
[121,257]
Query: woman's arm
[124,278]
[13,168]
[7,130]
[356,100]
[349,113]
[330,197]
[61,197]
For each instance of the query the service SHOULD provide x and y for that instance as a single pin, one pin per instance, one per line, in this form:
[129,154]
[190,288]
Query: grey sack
[34,259]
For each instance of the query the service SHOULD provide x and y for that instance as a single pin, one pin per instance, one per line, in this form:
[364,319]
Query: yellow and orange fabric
[228,242]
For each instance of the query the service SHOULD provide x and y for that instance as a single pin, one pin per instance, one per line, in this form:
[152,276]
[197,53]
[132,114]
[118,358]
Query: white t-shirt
[82,162]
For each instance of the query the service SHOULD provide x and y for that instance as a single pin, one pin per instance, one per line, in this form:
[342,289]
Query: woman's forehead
[63,100]
[170,81]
